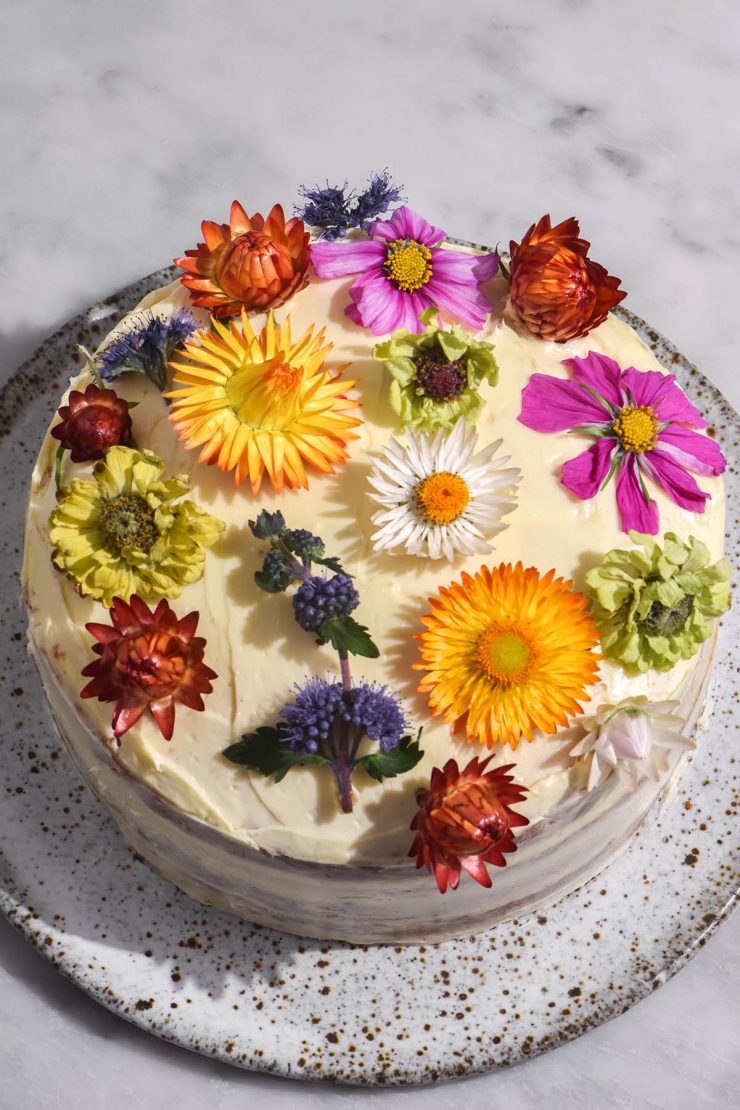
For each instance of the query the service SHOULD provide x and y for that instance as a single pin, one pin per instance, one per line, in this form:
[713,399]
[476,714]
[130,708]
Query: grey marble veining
[123,125]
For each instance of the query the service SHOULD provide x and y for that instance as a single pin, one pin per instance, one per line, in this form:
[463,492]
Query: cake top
[378,486]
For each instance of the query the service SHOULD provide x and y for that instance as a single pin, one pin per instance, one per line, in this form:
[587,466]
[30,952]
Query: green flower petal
[637,595]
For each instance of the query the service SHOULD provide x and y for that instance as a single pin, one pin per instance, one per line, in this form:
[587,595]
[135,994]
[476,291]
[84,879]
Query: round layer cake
[284,853]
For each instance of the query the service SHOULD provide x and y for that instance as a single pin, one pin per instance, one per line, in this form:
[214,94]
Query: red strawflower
[251,262]
[465,821]
[148,660]
[558,291]
[91,422]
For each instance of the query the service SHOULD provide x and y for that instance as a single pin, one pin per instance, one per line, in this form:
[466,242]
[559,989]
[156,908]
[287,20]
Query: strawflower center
[637,428]
[266,395]
[126,521]
[663,620]
[505,654]
[153,661]
[240,259]
[408,264]
[438,378]
[442,498]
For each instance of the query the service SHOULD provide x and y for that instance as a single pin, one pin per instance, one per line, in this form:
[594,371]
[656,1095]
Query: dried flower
[633,739]
[335,211]
[91,422]
[252,262]
[147,660]
[146,348]
[558,291]
[465,821]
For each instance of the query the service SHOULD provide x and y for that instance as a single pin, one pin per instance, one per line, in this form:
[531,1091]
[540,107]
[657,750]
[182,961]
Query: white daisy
[439,498]
[633,739]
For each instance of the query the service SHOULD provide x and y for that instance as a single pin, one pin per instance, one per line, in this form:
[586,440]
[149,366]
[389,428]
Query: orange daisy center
[442,498]
[637,428]
[408,264]
[269,399]
[505,654]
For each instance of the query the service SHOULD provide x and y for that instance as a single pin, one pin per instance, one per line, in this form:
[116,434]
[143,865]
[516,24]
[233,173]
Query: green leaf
[332,562]
[346,635]
[386,765]
[265,752]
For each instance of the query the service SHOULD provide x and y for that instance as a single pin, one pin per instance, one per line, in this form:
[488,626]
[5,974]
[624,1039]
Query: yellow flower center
[637,428]
[408,264]
[266,395]
[505,654]
[127,521]
[442,498]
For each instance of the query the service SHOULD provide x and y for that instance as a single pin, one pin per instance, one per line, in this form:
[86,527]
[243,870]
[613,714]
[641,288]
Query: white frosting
[259,652]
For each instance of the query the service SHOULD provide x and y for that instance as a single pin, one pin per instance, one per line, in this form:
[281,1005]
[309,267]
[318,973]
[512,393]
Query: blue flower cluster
[147,348]
[304,544]
[377,712]
[321,599]
[336,211]
[307,722]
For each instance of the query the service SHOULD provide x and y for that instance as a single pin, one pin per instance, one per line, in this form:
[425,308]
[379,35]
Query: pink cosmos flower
[644,427]
[403,270]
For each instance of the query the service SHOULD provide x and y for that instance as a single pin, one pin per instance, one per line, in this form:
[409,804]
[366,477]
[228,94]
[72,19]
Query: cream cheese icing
[254,644]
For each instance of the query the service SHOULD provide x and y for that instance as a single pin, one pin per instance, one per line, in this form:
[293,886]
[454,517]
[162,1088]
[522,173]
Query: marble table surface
[124,124]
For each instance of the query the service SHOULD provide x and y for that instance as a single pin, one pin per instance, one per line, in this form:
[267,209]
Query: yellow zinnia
[257,403]
[123,533]
[507,652]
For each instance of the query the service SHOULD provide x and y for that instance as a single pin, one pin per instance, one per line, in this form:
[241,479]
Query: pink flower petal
[465,302]
[584,474]
[692,450]
[634,511]
[651,387]
[466,268]
[552,405]
[407,224]
[600,373]
[676,482]
[378,305]
[332,260]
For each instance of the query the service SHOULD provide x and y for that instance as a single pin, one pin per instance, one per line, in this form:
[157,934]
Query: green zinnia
[436,375]
[123,534]
[655,605]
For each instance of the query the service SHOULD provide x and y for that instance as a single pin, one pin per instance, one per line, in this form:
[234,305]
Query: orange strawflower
[558,291]
[507,652]
[465,821]
[256,403]
[251,262]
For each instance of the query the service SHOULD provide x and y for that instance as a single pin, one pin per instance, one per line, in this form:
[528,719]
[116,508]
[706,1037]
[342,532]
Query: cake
[378,608]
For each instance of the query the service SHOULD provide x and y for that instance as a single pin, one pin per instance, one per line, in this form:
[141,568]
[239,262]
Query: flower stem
[344,765]
[58,466]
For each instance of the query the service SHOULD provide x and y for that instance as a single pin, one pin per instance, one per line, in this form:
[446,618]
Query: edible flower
[146,347]
[147,661]
[506,652]
[91,422]
[558,291]
[127,531]
[465,821]
[436,374]
[404,270]
[655,605]
[262,403]
[440,498]
[632,739]
[644,427]
[335,211]
[250,263]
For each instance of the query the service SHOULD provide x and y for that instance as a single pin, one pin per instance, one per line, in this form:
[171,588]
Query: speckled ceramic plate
[276,1003]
